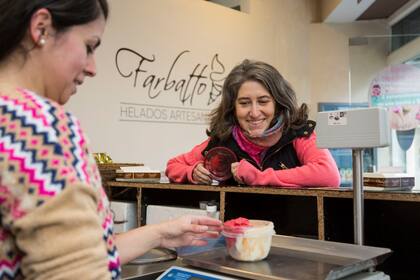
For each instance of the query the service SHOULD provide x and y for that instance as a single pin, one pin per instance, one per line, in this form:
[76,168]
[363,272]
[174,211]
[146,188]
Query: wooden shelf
[318,193]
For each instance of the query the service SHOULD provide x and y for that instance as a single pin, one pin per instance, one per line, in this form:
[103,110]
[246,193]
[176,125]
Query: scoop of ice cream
[238,222]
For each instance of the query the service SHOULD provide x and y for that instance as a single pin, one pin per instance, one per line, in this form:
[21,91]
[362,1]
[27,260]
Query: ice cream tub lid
[252,228]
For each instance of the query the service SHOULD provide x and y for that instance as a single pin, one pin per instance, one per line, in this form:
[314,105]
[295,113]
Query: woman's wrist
[157,232]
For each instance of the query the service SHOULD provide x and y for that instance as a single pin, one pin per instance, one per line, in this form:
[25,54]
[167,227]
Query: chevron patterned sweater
[55,220]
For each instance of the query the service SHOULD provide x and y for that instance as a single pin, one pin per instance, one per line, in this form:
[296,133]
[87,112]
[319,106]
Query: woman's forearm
[137,242]
[183,231]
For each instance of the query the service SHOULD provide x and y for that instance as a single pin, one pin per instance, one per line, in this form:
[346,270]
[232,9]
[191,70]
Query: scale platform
[295,258]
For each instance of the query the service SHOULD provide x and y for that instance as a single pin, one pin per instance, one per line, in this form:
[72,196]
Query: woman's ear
[40,26]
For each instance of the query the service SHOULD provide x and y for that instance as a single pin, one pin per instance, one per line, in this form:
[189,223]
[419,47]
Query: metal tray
[155,255]
[295,258]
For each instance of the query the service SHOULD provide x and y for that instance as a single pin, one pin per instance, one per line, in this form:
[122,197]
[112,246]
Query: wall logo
[203,81]
[132,112]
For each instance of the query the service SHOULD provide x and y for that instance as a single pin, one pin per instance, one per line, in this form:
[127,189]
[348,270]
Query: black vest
[281,155]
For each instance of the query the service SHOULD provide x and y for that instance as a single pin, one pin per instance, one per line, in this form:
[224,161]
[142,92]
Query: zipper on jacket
[283,166]
[273,153]
[250,160]
[261,166]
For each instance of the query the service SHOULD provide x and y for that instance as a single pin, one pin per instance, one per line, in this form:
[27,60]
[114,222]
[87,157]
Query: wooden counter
[319,193]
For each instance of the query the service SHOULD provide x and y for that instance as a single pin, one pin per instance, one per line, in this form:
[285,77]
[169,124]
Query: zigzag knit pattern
[45,146]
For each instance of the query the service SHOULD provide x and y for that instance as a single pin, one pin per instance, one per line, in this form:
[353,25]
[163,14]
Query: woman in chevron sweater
[55,220]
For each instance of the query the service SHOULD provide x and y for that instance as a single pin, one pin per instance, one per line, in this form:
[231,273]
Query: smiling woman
[271,136]
[64,67]
[47,175]
[68,65]
[255,108]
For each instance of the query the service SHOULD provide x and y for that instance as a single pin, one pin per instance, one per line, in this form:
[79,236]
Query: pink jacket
[318,168]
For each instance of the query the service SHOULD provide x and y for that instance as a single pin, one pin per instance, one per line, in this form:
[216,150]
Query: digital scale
[343,129]
[182,273]
[289,258]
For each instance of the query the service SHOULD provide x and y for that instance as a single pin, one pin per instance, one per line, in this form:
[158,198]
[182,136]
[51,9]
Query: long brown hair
[222,118]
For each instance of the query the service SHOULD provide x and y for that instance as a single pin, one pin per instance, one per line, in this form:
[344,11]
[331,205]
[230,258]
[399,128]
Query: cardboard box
[125,215]
[388,180]
[159,213]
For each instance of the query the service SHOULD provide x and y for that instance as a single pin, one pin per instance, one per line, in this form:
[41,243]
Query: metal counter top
[295,258]
[289,258]
[147,271]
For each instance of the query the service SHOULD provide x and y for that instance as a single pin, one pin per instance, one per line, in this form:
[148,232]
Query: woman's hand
[234,169]
[188,230]
[201,175]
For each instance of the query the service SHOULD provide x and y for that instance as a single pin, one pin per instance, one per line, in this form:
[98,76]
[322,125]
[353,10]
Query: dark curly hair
[222,119]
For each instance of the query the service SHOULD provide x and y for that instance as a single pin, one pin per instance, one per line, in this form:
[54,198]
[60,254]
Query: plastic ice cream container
[248,240]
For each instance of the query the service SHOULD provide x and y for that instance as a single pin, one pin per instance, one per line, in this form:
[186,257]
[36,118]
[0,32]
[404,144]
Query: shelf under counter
[317,193]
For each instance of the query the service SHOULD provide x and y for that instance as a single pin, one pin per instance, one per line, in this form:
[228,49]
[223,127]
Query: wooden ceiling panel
[382,9]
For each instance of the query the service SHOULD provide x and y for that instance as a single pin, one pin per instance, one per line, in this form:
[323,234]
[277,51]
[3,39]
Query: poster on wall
[397,88]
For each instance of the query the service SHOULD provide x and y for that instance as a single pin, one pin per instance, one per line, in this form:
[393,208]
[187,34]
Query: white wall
[406,52]
[340,73]
[329,66]
[292,34]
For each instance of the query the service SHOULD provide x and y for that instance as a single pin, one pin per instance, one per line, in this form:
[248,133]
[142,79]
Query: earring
[41,42]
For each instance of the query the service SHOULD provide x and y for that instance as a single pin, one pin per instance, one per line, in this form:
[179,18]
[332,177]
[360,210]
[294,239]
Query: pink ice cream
[237,223]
